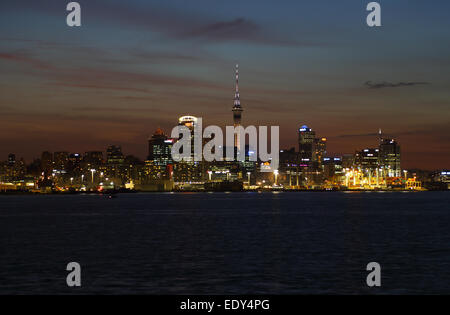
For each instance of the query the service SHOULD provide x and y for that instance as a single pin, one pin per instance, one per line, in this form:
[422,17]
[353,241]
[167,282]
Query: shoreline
[22,193]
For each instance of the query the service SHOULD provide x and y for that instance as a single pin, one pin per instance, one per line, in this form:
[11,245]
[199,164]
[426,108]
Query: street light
[276,177]
[92,173]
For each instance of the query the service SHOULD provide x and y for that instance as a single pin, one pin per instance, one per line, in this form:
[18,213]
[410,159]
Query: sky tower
[237,110]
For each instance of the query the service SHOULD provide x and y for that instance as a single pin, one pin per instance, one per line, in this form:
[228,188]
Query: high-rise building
[442,177]
[190,122]
[333,170]
[348,161]
[389,157]
[60,161]
[159,149]
[11,159]
[114,155]
[367,159]
[47,163]
[75,163]
[75,160]
[306,139]
[93,158]
[320,149]
[188,170]
[237,111]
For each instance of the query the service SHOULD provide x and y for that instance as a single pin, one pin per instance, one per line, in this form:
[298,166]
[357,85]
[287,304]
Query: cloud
[170,22]
[98,86]
[385,84]
[128,80]
[24,58]
[102,78]
[169,57]
[358,135]
[236,29]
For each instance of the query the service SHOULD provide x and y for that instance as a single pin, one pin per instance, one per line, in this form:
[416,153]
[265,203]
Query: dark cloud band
[382,85]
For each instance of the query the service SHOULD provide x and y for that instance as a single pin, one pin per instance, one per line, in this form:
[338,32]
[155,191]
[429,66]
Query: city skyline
[128,71]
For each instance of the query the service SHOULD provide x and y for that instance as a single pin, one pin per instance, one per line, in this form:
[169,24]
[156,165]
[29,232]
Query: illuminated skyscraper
[306,138]
[190,122]
[188,170]
[159,149]
[114,155]
[237,110]
[389,157]
[367,159]
[320,149]
[159,164]
[60,160]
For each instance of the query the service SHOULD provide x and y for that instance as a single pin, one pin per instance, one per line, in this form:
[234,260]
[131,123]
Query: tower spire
[237,110]
[237,100]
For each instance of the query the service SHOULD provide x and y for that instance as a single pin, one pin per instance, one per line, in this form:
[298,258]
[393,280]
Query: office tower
[188,170]
[47,163]
[11,159]
[443,178]
[60,161]
[74,164]
[159,164]
[333,169]
[114,155]
[306,138]
[389,157]
[190,122]
[348,161]
[93,158]
[159,149]
[237,110]
[320,149]
[288,167]
[75,158]
[367,159]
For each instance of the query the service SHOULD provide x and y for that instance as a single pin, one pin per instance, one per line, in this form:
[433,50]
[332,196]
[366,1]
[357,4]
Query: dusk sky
[137,65]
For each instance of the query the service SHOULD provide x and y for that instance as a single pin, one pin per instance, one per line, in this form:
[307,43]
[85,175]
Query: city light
[307,166]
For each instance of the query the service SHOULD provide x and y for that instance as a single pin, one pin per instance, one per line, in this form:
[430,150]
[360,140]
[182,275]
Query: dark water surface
[239,243]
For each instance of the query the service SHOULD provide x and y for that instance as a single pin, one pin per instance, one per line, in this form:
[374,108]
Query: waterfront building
[159,164]
[389,157]
[367,159]
[93,158]
[320,150]
[306,139]
[61,161]
[188,170]
[114,155]
[333,170]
